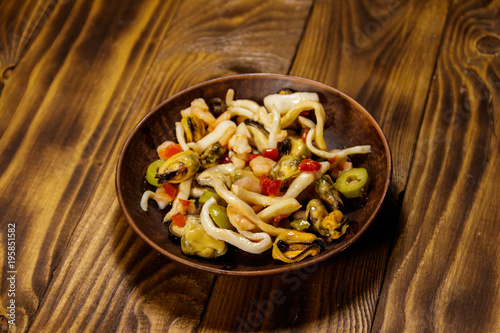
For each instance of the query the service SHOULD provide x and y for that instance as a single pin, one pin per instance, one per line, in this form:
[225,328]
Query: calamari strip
[351,151]
[229,96]
[263,241]
[214,179]
[332,153]
[319,111]
[286,206]
[245,104]
[275,128]
[305,179]
[283,103]
[255,198]
[264,118]
[213,137]
[225,169]
[180,134]
[151,195]
[310,137]
[239,111]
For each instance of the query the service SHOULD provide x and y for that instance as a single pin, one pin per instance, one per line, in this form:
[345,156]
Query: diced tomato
[276,219]
[309,165]
[271,153]
[170,189]
[225,159]
[304,136]
[179,220]
[332,160]
[185,203]
[305,113]
[270,187]
[170,151]
[251,157]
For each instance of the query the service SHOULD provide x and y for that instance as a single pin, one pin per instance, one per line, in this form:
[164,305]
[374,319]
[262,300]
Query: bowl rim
[281,268]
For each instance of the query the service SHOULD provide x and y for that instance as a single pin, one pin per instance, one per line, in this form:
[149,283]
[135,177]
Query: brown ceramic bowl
[347,124]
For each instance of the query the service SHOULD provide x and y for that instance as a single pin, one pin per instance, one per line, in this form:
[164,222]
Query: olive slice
[152,171]
[219,216]
[300,224]
[208,194]
[353,183]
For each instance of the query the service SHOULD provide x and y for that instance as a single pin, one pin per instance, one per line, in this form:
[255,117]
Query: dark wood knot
[488,45]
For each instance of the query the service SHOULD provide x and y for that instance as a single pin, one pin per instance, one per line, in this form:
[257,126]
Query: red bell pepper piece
[170,151]
[309,165]
[170,190]
[304,136]
[179,220]
[270,187]
[271,153]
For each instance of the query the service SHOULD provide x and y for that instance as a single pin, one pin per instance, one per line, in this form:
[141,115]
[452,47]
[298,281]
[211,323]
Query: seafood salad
[255,177]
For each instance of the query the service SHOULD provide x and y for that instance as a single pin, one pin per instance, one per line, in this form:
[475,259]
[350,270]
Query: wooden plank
[68,101]
[20,23]
[131,288]
[443,272]
[370,51]
[19,26]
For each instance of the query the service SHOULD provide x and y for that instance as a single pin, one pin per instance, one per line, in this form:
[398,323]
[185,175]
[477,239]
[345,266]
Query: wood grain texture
[108,279]
[20,23]
[377,73]
[67,147]
[443,273]
[382,54]
[19,26]
[76,76]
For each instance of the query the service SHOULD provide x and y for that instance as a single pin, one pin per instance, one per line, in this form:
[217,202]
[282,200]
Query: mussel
[259,135]
[285,146]
[194,128]
[286,168]
[336,224]
[212,156]
[292,246]
[315,213]
[299,149]
[178,168]
[326,189]
[179,231]
[196,242]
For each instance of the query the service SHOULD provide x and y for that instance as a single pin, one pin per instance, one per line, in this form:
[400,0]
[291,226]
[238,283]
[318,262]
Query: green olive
[219,216]
[300,224]
[152,171]
[353,183]
[207,195]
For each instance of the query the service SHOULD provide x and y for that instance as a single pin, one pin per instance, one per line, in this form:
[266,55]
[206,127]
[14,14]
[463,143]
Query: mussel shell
[326,189]
[212,156]
[194,128]
[315,213]
[179,168]
[292,246]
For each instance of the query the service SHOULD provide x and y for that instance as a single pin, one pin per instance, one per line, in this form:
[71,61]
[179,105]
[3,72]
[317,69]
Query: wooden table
[76,77]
